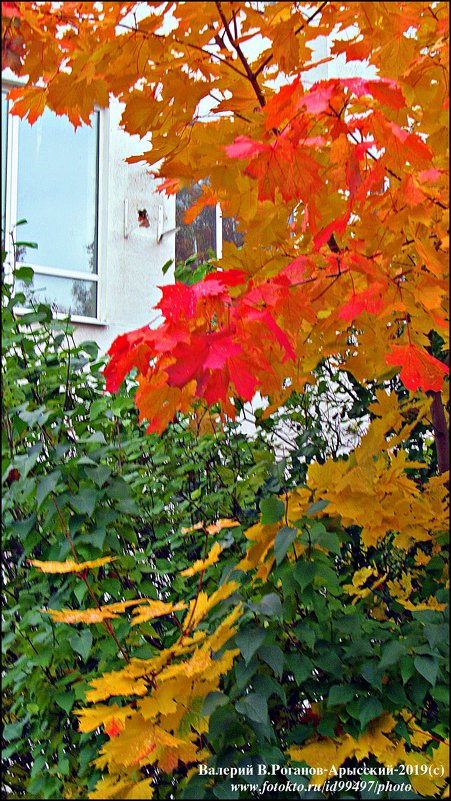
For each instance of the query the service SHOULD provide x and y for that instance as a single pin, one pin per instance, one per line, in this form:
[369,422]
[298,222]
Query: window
[52,181]
[206,234]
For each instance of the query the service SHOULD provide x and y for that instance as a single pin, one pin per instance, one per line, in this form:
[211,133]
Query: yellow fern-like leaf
[69,566]
[202,564]
[80,615]
[155,609]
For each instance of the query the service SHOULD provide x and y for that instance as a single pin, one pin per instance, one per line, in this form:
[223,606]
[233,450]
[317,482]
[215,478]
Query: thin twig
[106,624]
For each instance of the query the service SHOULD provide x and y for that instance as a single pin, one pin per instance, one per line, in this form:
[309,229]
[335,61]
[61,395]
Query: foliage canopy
[300,619]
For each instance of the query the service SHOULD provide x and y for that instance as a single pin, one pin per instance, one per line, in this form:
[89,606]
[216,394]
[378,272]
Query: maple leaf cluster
[346,178]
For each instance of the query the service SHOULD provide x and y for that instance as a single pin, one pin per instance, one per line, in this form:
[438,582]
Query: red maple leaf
[418,367]
[371,300]
[128,351]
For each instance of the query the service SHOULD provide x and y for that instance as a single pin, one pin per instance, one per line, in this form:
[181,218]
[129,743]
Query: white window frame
[12,174]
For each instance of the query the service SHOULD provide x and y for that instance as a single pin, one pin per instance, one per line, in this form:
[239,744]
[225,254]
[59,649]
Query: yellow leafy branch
[70,566]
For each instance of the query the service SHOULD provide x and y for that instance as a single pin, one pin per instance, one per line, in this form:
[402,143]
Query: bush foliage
[318,652]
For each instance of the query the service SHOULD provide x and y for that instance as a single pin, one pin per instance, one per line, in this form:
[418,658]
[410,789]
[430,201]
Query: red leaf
[353,176]
[337,226]
[128,351]
[265,320]
[418,367]
[370,300]
[243,148]
[178,300]
[388,92]
[170,186]
[245,382]
[190,358]
[203,352]
[214,387]
[221,347]
[317,100]
[11,10]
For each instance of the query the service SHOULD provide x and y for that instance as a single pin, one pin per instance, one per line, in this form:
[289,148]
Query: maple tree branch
[298,30]
[439,425]
[249,73]
[441,434]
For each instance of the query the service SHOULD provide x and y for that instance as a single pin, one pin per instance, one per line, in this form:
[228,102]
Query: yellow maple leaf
[110,787]
[101,715]
[224,522]
[201,564]
[69,566]
[202,603]
[155,609]
[430,603]
[195,527]
[401,589]
[164,699]
[80,615]
[422,558]
[140,741]
[116,683]
[141,790]
[423,778]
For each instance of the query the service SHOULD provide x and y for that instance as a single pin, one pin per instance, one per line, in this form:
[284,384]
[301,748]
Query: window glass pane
[57,192]
[200,236]
[4,151]
[64,295]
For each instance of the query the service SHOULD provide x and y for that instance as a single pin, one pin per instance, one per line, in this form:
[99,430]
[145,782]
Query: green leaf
[340,694]
[273,656]
[265,685]
[407,668]
[301,666]
[306,634]
[427,666]
[272,510]
[65,700]
[212,701]
[12,731]
[372,674]
[254,707]
[85,501]
[23,527]
[99,475]
[166,266]
[370,708]
[271,605]
[47,485]
[391,653]
[316,507]
[249,641]
[328,540]
[284,538]
[25,274]
[327,725]
[304,573]
[82,643]
[395,692]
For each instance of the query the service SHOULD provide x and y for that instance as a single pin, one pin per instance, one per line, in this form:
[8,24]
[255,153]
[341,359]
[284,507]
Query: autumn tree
[321,641]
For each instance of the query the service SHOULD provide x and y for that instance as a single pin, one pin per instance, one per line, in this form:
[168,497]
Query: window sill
[75,319]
